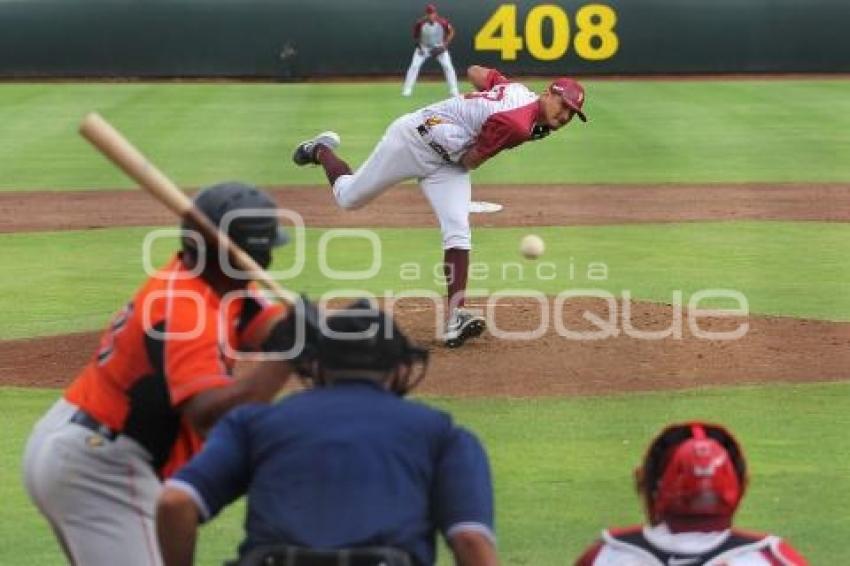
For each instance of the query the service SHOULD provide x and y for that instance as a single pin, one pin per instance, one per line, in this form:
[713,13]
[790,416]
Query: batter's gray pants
[99,496]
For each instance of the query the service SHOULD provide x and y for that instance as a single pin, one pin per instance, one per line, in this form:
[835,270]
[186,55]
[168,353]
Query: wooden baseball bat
[111,143]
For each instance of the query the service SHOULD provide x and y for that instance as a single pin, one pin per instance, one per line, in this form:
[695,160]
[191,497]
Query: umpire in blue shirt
[345,472]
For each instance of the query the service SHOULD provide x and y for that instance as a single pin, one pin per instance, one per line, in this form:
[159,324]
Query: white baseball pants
[98,496]
[403,154]
[419,57]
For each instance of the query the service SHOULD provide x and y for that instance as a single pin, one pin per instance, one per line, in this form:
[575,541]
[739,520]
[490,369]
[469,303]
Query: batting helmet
[253,231]
[692,470]
[572,93]
[362,339]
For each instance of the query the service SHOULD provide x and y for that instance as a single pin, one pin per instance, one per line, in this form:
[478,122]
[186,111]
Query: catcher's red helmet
[572,94]
[692,469]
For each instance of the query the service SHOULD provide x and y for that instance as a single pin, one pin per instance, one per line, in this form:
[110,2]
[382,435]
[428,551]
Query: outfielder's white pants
[420,57]
[98,496]
[402,154]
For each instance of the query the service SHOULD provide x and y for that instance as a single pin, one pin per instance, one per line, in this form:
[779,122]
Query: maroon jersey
[431,34]
[500,116]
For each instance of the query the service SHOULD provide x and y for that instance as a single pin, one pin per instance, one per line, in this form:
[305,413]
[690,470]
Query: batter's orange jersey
[166,345]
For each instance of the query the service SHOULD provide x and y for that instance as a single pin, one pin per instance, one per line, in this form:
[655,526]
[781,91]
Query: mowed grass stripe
[563,468]
[640,132]
[56,282]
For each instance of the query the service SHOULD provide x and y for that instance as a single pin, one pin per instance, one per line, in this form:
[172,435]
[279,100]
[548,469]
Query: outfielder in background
[432,34]
[692,479]
[157,383]
[347,464]
[438,146]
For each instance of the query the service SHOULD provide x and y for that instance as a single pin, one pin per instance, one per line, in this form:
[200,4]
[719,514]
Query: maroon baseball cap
[572,93]
[430,8]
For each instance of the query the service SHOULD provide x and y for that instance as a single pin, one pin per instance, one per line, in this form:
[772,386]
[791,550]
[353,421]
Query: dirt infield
[773,349]
[526,205]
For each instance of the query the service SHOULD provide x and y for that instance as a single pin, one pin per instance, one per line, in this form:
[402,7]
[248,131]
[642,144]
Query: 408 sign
[595,38]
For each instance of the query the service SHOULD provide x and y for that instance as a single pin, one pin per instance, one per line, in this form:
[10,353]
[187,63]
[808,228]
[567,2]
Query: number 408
[594,41]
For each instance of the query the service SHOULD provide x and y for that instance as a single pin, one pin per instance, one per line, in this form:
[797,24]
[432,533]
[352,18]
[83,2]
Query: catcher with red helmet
[692,480]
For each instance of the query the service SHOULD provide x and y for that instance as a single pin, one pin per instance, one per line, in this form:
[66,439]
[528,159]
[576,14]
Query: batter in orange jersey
[159,380]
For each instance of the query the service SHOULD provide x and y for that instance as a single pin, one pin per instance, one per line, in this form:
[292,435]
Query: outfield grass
[640,132]
[796,269]
[563,468]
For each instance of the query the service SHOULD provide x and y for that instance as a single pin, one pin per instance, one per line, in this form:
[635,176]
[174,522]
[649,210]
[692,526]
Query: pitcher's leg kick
[447,187]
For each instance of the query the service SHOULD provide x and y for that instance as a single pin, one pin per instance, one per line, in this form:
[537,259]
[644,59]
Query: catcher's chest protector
[633,549]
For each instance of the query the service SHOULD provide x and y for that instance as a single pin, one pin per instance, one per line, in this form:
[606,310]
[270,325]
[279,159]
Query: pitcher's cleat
[462,326]
[305,153]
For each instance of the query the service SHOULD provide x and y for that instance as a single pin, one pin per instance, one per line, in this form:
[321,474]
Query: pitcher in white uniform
[438,146]
[432,34]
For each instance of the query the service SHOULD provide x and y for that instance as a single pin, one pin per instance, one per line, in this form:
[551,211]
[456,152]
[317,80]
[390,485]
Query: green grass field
[640,132]
[562,466]
[795,269]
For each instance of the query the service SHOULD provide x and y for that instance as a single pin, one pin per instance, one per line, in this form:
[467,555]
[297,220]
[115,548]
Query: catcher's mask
[240,207]
[363,341]
[694,470]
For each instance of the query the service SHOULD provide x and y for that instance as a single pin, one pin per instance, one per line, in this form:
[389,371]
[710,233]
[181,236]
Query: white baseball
[531,246]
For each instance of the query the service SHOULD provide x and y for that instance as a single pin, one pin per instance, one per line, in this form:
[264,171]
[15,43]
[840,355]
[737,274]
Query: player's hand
[302,322]
[471,159]
[540,131]
[437,51]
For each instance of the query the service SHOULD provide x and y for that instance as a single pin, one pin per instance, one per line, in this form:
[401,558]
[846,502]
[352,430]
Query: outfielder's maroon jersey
[657,546]
[431,34]
[500,116]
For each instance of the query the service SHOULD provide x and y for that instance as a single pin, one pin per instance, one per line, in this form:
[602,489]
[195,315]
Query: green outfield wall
[285,39]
